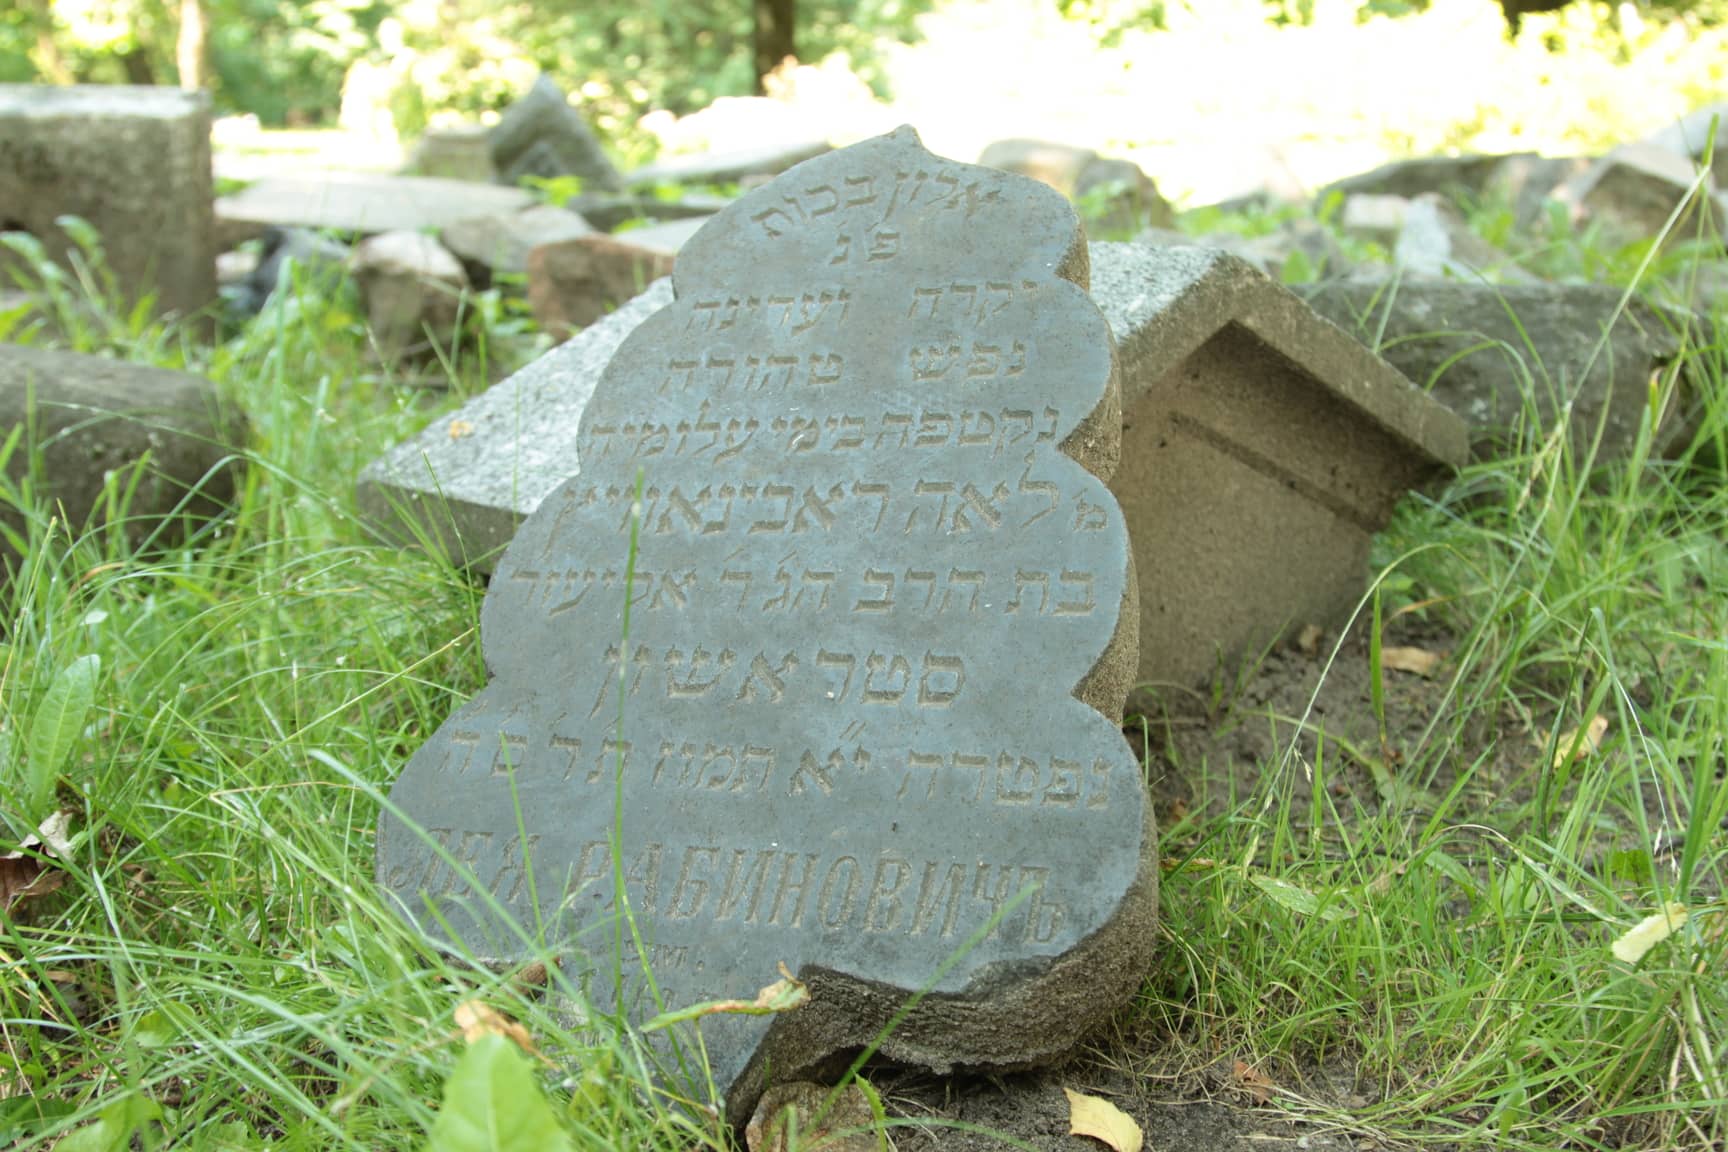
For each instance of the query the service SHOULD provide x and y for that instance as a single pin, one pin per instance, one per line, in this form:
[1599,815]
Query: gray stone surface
[412,289]
[1635,189]
[883,623]
[466,482]
[541,135]
[1131,198]
[91,417]
[499,244]
[134,162]
[606,211]
[363,202]
[573,283]
[1261,449]
[729,166]
[1690,136]
[454,152]
[1509,357]
[320,259]
[1434,243]
[1469,174]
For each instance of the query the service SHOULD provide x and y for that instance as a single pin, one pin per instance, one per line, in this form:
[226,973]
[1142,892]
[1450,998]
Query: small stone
[573,283]
[413,292]
[1434,243]
[1374,216]
[846,1110]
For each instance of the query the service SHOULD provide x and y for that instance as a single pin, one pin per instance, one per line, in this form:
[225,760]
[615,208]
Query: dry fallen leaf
[460,428]
[1254,1082]
[26,873]
[1649,932]
[477,1018]
[1308,640]
[1416,661]
[1592,740]
[1102,1120]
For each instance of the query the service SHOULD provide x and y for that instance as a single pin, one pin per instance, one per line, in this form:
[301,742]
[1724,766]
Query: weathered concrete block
[883,625]
[1261,449]
[90,416]
[1502,356]
[573,283]
[541,135]
[466,482]
[132,161]
[413,292]
[363,203]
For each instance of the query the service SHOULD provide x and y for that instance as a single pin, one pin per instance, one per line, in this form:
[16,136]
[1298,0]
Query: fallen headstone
[466,482]
[1636,188]
[364,203]
[574,282]
[1509,358]
[413,291]
[1131,198]
[454,152]
[134,163]
[498,245]
[90,417]
[864,721]
[727,167]
[541,135]
[1261,450]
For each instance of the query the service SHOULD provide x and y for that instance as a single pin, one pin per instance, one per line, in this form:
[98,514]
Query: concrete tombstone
[882,619]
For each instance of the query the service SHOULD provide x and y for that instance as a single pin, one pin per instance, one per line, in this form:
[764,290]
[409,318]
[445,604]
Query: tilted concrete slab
[1261,449]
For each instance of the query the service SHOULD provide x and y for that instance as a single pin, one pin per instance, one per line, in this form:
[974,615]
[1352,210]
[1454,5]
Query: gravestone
[134,162]
[361,202]
[541,135]
[882,623]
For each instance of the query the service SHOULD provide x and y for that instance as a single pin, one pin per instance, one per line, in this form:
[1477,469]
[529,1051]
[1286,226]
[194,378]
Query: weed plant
[221,719]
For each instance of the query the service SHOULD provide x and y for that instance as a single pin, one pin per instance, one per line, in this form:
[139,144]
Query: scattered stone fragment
[1434,243]
[364,203]
[1261,449]
[454,152]
[499,244]
[1635,188]
[541,135]
[1502,355]
[413,292]
[1132,199]
[134,163]
[727,167]
[467,481]
[1374,216]
[93,417]
[871,446]
[573,283]
[1528,182]
[822,1118]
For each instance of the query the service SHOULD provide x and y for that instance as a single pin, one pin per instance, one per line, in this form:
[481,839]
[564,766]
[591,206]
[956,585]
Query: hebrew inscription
[881,622]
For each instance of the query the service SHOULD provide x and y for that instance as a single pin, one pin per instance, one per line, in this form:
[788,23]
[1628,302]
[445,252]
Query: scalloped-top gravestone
[882,624]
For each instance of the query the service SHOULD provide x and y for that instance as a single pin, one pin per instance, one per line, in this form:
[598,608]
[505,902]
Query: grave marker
[882,624]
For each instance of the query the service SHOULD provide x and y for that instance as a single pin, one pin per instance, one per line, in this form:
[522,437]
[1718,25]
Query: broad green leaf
[493,1103]
[114,1129]
[1298,899]
[59,718]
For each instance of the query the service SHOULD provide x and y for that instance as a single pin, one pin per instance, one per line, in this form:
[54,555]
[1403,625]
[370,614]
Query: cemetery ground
[1396,860]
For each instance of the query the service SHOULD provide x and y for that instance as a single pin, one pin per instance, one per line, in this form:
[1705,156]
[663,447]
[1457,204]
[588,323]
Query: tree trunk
[192,49]
[775,21]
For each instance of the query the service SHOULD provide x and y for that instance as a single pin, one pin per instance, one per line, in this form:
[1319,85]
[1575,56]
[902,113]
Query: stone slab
[499,244]
[134,162]
[93,416]
[1506,357]
[882,623]
[541,135]
[364,203]
[1636,188]
[1261,449]
[729,166]
[464,484]
[575,282]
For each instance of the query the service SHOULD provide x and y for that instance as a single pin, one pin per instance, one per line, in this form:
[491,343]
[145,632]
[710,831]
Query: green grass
[220,971]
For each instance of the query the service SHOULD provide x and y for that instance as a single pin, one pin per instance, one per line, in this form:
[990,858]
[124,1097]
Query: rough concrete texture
[362,202]
[134,162]
[1635,189]
[883,625]
[1261,449]
[1510,357]
[413,290]
[499,244]
[727,167]
[541,135]
[1132,200]
[573,283]
[90,417]
[807,1115]
[467,481]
